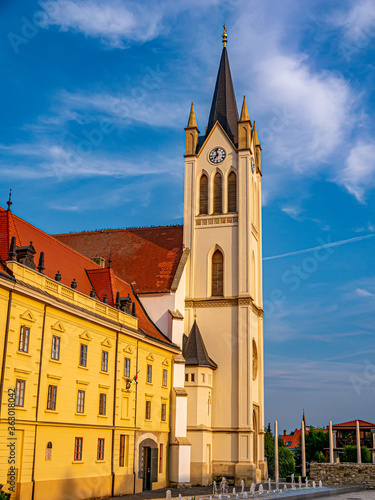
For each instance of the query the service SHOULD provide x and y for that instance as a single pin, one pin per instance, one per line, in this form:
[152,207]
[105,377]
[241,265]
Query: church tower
[223,307]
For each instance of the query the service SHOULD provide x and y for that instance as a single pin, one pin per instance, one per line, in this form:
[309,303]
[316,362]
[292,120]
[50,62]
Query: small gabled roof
[224,106]
[195,352]
[352,425]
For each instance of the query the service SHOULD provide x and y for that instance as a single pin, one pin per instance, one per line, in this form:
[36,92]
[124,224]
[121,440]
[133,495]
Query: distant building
[344,434]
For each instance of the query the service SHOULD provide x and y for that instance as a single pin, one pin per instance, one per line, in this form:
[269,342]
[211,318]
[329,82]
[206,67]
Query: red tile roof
[352,425]
[295,439]
[71,264]
[147,256]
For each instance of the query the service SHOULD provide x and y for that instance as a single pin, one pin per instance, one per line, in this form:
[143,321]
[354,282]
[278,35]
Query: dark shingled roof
[195,352]
[224,106]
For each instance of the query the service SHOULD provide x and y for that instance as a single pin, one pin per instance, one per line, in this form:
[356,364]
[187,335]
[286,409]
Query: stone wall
[343,473]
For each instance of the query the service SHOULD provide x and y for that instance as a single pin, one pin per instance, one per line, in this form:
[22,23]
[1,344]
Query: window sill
[149,383]
[77,462]
[102,416]
[55,361]
[103,373]
[51,411]
[20,408]
[83,367]
[148,419]
[80,414]
[100,461]
[24,353]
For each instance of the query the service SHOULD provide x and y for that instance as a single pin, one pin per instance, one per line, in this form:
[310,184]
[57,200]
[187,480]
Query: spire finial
[110,260]
[192,123]
[225,35]
[9,202]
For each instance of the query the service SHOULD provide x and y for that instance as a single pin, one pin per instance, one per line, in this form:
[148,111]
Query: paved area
[358,495]
[204,491]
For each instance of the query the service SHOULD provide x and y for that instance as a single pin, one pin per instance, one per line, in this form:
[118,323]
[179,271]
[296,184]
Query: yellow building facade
[83,428]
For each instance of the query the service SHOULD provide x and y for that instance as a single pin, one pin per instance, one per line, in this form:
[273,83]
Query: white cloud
[358,22]
[48,160]
[363,293]
[359,174]
[113,21]
[117,22]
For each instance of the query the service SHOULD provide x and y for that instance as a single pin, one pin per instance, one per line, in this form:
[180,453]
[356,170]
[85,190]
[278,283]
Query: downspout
[135,417]
[37,400]
[114,417]
[5,348]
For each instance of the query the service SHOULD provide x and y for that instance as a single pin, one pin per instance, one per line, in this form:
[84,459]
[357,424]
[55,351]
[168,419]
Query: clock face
[217,155]
[252,165]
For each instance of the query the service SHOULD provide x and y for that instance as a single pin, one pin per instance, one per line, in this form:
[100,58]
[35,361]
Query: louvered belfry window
[218,194]
[217,274]
[203,195]
[232,192]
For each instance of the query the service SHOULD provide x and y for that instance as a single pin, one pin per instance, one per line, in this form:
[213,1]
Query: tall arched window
[218,194]
[217,274]
[232,192]
[203,195]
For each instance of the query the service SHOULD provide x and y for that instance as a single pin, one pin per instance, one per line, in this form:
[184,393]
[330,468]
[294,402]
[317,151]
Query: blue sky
[94,98]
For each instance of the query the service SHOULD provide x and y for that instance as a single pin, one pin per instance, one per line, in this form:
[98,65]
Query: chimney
[285,434]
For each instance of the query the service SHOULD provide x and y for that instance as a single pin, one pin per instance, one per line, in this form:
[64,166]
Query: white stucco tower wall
[231,322]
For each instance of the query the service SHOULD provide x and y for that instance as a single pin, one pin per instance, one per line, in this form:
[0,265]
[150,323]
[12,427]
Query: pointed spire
[117,303]
[9,202]
[224,106]
[192,123]
[244,112]
[110,261]
[256,138]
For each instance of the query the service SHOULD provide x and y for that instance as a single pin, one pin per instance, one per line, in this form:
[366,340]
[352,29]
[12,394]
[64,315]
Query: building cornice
[224,302]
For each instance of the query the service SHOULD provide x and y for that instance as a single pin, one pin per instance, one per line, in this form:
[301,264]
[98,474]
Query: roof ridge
[117,229]
[52,237]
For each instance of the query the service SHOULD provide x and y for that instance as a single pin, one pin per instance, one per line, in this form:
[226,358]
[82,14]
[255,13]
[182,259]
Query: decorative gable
[150,357]
[85,336]
[166,362]
[28,316]
[58,327]
[128,349]
[106,343]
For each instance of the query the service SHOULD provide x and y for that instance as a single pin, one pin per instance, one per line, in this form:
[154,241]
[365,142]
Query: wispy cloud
[47,160]
[113,22]
[326,245]
[361,292]
[359,174]
[358,19]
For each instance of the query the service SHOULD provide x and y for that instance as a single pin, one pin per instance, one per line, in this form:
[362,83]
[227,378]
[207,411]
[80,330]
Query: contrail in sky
[327,245]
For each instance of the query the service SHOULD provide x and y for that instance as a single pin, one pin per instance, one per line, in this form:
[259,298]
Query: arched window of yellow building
[218,194]
[232,192]
[203,195]
[217,274]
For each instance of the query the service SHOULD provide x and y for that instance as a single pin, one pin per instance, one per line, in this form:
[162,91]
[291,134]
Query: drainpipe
[135,417]
[37,400]
[5,349]
[114,417]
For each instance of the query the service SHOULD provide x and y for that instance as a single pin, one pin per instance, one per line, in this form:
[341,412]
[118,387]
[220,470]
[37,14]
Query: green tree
[350,454]
[286,458]
[316,441]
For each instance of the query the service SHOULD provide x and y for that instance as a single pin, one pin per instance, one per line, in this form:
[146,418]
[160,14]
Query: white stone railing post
[276,454]
[331,459]
[359,460]
[373,445]
[303,449]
